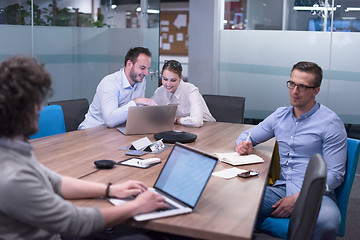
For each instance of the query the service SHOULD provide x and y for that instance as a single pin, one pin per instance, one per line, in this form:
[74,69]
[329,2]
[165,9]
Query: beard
[134,75]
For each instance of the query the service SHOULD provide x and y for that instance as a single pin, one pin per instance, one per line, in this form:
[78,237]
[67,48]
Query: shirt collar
[309,113]
[178,91]
[126,84]
[17,145]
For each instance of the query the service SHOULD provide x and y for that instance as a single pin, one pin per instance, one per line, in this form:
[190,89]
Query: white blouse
[192,108]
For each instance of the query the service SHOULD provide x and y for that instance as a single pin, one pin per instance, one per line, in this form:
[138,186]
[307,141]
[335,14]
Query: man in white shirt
[120,90]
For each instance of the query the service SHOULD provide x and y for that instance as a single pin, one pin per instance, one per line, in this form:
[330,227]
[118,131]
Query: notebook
[149,119]
[181,181]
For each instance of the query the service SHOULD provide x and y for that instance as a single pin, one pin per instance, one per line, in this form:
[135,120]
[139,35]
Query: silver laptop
[181,181]
[149,119]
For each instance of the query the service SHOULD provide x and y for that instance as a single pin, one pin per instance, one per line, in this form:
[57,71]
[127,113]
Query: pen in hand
[248,138]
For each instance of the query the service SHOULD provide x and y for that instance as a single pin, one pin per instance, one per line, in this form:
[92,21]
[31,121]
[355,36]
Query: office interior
[227,47]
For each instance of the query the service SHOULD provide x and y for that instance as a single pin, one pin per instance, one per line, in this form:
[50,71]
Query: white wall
[257,64]
[203,44]
[76,58]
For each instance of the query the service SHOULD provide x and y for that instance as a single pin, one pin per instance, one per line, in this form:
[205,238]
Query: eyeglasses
[173,63]
[301,87]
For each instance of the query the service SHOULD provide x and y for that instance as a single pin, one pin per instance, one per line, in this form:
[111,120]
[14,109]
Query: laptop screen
[186,174]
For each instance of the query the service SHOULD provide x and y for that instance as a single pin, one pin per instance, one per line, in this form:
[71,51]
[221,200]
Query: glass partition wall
[80,41]
[260,40]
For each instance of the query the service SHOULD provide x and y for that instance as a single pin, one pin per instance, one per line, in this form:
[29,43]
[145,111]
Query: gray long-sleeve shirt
[31,203]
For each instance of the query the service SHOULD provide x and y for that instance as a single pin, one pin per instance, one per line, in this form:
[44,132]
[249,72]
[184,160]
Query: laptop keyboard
[171,207]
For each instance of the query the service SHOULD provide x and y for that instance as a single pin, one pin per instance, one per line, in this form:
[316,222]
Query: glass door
[150,27]
[135,23]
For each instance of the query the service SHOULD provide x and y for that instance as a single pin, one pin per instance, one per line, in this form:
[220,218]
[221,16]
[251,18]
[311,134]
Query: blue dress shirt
[114,95]
[319,130]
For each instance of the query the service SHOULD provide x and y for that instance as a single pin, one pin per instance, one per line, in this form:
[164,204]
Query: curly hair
[24,85]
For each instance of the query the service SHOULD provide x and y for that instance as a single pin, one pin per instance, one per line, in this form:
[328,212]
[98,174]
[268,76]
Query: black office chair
[307,206]
[306,210]
[354,131]
[74,112]
[226,108]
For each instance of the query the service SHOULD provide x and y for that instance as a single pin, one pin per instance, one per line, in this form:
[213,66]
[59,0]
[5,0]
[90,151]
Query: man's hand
[127,189]
[244,148]
[284,206]
[144,101]
[149,201]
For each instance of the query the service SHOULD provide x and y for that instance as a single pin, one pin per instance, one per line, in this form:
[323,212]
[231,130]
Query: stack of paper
[235,159]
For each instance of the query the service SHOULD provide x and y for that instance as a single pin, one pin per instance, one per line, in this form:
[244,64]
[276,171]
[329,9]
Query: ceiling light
[348,9]
[153,11]
[313,8]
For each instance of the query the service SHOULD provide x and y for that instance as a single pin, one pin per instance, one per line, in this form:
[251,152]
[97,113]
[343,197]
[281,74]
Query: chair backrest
[343,191]
[74,112]
[51,122]
[307,206]
[226,108]
[354,131]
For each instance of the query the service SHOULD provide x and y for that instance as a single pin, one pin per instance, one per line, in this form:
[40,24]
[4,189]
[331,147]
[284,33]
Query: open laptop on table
[181,181]
[149,119]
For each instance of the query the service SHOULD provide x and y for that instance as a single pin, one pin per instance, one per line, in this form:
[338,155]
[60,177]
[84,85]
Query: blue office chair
[74,112]
[278,227]
[343,191]
[51,122]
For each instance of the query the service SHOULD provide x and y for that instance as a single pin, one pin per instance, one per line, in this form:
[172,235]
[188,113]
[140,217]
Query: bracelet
[107,190]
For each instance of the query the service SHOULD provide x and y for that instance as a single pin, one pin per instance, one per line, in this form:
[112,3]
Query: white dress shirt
[192,108]
[114,95]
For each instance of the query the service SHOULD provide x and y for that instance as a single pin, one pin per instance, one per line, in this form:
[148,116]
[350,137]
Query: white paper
[229,173]
[149,161]
[171,38]
[141,143]
[235,159]
[180,21]
[179,37]
[165,22]
[166,46]
[164,36]
[164,29]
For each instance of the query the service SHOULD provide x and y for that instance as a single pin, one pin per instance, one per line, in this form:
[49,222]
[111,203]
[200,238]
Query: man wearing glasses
[120,90]
[301,130]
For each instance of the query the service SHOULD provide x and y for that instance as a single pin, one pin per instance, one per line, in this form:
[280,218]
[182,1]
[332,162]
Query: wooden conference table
[226,210]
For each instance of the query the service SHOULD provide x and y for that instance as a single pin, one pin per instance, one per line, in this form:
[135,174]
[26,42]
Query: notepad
[229,173]
[235,159]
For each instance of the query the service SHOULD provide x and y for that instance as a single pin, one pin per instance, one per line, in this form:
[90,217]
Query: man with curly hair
[33,201]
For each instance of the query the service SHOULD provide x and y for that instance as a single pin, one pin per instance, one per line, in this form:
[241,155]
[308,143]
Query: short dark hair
[310,67]
[24,84]
[134,53]
[173,66]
